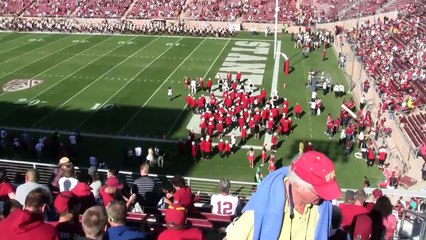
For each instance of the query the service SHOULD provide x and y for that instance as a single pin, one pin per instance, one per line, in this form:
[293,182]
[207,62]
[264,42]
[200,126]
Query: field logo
[20,84]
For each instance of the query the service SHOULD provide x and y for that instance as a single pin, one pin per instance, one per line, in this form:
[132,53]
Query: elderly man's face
[310,196]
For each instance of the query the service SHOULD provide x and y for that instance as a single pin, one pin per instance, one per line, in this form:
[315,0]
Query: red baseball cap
[176,214]
[113,182]
[318,170]
[64,201]
[377,193]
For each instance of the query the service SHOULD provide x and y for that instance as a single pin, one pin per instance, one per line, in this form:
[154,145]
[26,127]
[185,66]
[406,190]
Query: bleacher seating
[263,11]
[146,9]
[218,10]
[13,8]
[102,8]
[50,8]
[412,125]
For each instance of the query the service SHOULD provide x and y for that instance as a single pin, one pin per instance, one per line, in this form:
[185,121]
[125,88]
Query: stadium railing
[203,187]
[412,225]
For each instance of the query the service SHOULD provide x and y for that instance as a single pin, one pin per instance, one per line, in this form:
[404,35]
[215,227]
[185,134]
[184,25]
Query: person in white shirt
[341,90]
[224,203]
[313,106]
[193,86]
[313,96]
[138,153]
[31,178]
[68,181]
[170,93]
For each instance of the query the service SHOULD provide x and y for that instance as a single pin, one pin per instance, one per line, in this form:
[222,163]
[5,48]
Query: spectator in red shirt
[176,230]
[6,189]
[352,207]
[67,206]
[83,192]
[108,192]
[182,195]
[28,223]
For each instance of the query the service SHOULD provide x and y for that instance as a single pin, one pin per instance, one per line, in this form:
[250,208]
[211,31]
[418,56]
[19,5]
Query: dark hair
[3,177]
[383,206]
[9,205]
[113,171]
[178,181]
[37,198]
[83,177]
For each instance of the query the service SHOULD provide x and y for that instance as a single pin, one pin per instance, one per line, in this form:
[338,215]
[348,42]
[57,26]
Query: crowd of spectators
[13,8]
[47,8]
[102,9]
[393,53]
[165,9]
[111,27]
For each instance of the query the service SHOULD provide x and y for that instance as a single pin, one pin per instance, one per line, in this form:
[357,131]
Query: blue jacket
[268,206]
[124,233]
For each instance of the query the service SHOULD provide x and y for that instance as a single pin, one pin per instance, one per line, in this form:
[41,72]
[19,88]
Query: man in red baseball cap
[292,202]
[175,220]
[67,207]
[108,192]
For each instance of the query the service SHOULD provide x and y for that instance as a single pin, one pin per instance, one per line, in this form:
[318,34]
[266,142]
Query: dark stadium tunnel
[154,123]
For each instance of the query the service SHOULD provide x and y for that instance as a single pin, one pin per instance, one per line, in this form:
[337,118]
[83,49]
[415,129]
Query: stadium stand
[147,9]
[413,125]
[102,8]
[13,8]
[219,10]
[47,8]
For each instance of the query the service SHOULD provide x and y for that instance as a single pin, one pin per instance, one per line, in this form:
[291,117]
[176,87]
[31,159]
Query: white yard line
[75,95]
[35,60]
[167,79]
[268,137]
[127,83]
[160,36]
[28,42]
[58,82]
[205,75]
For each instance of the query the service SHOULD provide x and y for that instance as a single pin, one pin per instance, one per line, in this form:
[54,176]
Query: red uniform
[298,110]
[238,76]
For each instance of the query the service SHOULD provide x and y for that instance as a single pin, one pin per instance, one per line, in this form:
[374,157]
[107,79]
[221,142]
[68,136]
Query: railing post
[189,182]
[34,165]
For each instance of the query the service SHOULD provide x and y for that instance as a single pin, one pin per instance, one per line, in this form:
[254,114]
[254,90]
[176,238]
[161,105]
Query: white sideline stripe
[183,109]
[47,89]
[75,95]
[268,137]
[35,60]
[127,83]
[171,74]
[144,35]
[17,46]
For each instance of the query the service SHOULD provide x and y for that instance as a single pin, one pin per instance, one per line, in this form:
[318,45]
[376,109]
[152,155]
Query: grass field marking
[63,79]
[160,36]
[20,55]
[86,87]
[155,92]
[8,49]
[59,63]
[274,86]
[205,75]
[127,83]
[308,100]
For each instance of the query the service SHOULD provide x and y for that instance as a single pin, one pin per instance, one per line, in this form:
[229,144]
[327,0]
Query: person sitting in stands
[176,230]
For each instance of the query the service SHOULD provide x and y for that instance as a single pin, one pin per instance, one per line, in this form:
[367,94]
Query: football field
[113,90]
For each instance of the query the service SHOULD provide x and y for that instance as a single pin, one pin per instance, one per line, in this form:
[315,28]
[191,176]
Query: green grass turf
[132,74]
